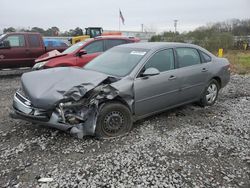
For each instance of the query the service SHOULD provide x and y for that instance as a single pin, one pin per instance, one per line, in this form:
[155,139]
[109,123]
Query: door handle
[204,70]
[172,77]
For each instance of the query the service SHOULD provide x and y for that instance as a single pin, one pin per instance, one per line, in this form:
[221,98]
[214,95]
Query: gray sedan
[127,83]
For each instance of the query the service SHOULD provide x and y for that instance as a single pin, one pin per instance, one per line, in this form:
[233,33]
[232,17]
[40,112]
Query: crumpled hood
[49,55]
[45,88]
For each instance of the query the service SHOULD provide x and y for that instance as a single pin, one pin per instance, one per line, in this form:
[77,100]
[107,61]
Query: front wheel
[114,119]
[210,94]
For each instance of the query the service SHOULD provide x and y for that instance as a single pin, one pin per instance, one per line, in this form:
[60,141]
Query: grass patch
[239,60]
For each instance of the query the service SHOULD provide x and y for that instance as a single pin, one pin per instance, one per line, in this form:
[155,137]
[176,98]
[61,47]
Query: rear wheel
[114,119]
[210,94]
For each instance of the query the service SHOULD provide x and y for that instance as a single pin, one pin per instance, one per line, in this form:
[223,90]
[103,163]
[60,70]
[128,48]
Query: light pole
[175,25]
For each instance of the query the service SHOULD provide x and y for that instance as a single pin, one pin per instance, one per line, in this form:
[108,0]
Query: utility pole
[175,25]
[142,27]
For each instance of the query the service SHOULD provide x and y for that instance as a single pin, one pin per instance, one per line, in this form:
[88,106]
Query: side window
[205,58]
[16,40]
[96,46]
[163,60]
[34,41]
[187,57]
[114,42]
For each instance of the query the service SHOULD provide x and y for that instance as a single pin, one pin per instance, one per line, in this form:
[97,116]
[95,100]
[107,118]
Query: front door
[36,48]
[16,55]
[156,93]
[93,50]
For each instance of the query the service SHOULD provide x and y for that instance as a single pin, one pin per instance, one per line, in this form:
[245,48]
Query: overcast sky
[154,14]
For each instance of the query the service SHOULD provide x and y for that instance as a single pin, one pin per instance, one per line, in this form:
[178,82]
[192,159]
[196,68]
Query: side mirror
[5,44]
[82,52]
[150,72]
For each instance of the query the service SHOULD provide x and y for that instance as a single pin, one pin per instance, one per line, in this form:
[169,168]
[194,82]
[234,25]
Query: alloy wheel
[211,93]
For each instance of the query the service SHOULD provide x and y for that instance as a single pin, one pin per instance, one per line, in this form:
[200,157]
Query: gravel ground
[186,147]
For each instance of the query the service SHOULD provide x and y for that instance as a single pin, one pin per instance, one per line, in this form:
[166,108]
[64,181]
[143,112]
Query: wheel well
[120,100]
[218,80]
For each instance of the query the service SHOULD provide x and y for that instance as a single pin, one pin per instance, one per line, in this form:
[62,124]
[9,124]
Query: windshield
[117,61]
[73,47]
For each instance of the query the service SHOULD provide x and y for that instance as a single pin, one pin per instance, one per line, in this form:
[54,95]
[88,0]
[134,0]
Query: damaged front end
[76,112]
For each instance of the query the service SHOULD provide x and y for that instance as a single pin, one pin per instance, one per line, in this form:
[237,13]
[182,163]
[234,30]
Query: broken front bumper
[23,109]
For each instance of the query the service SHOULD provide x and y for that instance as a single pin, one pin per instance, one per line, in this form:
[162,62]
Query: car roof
[23,33]
[160,45]
[156,45]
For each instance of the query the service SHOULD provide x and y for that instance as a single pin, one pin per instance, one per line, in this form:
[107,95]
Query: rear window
[34,41]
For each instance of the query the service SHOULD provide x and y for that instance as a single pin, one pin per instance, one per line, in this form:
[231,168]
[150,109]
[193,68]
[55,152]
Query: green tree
[38,29]
[53,31]
[9,29]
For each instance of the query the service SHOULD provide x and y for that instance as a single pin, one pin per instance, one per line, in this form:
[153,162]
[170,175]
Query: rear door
[156,93]
[36,48]
[15,56]
[193,73]
[93,49]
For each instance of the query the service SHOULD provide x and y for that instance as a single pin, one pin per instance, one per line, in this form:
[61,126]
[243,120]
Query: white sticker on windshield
[137,53]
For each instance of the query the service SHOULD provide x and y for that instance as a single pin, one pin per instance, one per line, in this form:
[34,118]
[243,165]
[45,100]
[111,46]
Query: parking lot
[185,147]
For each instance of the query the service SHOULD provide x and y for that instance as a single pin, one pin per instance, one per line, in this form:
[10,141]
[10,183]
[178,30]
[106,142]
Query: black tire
[212,89]
[114,119]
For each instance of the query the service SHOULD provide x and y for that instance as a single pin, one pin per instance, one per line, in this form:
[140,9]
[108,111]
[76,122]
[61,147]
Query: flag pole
[119,20]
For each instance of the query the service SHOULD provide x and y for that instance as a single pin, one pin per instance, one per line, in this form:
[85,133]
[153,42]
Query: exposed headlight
[20,90]
[40,65]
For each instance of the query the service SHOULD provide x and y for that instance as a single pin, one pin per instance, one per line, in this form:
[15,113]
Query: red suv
[81,53]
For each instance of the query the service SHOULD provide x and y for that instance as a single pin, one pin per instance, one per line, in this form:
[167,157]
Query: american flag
[121,16]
